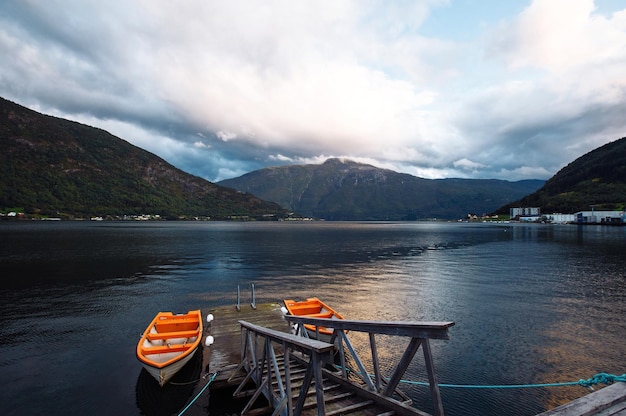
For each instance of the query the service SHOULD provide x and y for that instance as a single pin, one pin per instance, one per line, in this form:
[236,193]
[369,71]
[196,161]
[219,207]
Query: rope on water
[199,394]
[597,379]
[603,378]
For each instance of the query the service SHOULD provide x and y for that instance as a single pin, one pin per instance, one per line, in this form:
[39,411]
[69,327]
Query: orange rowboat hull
[313,308]
[169,342]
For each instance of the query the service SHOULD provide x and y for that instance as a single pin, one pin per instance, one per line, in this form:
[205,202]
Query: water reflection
[586,337]
[531,303]
[154,400]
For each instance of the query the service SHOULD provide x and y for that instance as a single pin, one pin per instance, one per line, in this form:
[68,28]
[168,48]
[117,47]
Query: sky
[435,88]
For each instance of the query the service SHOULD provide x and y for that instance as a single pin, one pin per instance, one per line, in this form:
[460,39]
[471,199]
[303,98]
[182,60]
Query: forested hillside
[52,166]
[345,190]
[596,178]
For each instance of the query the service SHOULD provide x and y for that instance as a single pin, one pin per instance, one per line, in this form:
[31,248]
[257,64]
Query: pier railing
[418,333]
[265,371]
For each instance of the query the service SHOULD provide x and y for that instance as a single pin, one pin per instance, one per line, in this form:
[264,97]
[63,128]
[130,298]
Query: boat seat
[178,319]
[320,315]
[151,336]
[305,310]
[173,325]
[164,349]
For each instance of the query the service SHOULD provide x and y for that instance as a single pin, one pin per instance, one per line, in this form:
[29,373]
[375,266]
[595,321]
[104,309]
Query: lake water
[531,303]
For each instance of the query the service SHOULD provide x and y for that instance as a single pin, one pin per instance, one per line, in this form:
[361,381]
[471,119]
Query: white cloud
[226,135]
[467,164]
[525,172]
[201,145]
[290,82]
[581,60]
[558,35]
[280,158]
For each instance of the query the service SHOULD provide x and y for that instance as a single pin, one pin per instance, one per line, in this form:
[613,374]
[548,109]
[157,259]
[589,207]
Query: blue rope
[199,394]
[604,378]
[598,378]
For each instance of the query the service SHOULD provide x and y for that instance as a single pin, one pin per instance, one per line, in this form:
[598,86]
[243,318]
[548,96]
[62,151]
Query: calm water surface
[531,303]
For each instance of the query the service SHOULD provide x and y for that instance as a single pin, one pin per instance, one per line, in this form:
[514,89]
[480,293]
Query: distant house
[525,212]
[600,217]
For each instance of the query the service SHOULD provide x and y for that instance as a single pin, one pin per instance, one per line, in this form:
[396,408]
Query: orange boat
[313,308]
[169,342]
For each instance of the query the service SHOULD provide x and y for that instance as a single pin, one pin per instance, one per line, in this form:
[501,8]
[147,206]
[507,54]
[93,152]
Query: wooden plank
[164,349]
[171,335]
[316,346]
[267,320]
[617,410]
[382,401]
[431,330]
[352,408]
[594,403]
[225,353]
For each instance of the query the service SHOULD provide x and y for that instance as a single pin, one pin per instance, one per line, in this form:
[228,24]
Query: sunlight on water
[531,303]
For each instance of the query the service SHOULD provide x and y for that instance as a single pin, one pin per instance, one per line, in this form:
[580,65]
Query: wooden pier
[269,369]
[265,364]
[225,353]
[608,401]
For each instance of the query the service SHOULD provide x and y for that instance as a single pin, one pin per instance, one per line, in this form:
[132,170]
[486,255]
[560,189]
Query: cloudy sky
[435,88]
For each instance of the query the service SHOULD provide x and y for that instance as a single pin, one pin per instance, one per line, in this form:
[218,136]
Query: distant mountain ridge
[346,190]
[51,165]
[597,178]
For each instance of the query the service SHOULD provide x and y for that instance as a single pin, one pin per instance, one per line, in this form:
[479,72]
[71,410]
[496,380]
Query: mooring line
[604,378]
[199,394]
[598,378]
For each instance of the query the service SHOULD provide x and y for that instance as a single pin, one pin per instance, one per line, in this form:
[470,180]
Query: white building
[600,217]
[560,218]
[525,212]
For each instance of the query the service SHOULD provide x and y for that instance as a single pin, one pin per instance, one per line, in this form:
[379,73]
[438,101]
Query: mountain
[596,178]
[345,190]
[49,165]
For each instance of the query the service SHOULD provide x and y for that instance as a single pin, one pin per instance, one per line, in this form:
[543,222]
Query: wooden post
[408,355]
[366,379]
[286,354]
[375,363]
[316,361]
[432,378]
